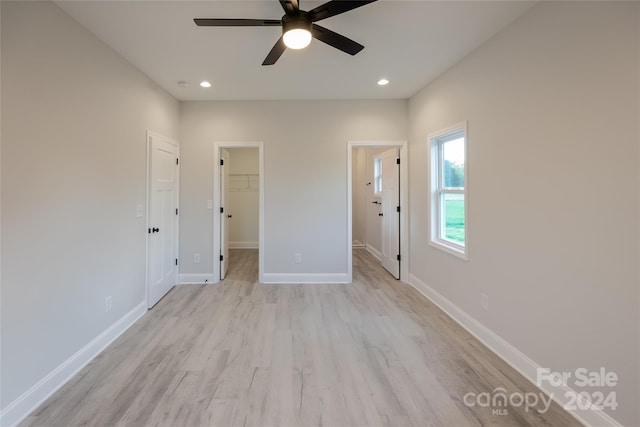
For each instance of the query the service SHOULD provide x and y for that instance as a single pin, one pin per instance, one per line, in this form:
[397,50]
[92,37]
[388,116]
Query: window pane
[453,167]
[453,216]
[377,175]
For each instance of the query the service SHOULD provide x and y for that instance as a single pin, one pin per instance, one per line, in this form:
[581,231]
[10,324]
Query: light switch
[139,211]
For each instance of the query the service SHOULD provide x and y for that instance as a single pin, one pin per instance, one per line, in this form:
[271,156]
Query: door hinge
[398,257]
[177,161]
[221,162]
[398,161]
[221,209]
[176,261]
[221,257]
[398,209]
[176,211]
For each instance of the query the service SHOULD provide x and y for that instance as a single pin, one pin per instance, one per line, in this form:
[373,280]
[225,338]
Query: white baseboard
[357,244]
[243,245]
[192,279]
[20,408]
[373,251]
[315,278]
[511,355]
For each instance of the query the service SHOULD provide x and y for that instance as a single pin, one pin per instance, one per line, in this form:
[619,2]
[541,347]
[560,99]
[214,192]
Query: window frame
[437,190]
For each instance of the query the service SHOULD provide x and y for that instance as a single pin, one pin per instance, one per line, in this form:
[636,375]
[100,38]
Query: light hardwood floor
[373,353]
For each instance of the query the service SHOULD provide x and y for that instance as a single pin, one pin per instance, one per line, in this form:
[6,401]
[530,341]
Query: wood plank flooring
[373,353]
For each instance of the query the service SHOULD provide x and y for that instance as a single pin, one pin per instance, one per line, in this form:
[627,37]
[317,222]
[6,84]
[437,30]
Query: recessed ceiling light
[182,83]
[383,82]
[205,83]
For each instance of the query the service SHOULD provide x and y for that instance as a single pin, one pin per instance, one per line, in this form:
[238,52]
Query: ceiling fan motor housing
[299,21]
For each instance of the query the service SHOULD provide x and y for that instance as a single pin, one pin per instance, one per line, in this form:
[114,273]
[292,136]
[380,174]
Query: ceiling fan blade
[291,7]
[276,52]
[336,40]
[226,22]
[335,7]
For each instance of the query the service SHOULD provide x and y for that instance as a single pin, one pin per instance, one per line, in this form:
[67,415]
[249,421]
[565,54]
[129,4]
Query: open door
[162,262]
[224,215]
[391,211]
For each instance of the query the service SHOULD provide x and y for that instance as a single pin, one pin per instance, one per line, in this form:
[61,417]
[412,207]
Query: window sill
[450,249]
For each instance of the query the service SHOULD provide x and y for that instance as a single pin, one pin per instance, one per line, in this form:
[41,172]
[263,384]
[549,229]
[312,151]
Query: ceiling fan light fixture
[298,26]
[297,38]
[296,30]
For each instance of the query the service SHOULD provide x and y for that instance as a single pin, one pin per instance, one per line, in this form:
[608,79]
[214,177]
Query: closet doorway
[238,206]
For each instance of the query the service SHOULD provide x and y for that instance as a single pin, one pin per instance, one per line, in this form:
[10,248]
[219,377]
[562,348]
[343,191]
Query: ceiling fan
[298,27]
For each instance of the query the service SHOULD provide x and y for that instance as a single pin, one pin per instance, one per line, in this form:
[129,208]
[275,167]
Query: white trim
[216,205]
[451,249]
[191,279]
[404,203]
[511,355]
[20,408]
[306,278]
[373,251]
[243,245]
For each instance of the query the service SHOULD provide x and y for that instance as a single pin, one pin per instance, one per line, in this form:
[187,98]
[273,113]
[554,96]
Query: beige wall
[305,156]
[359,194]
[552,108]
[74,117]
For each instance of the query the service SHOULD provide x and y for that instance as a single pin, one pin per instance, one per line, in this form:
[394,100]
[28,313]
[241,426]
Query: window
[377,175]
[448,190]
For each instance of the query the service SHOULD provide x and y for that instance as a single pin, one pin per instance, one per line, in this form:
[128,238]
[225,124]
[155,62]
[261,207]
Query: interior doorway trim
[217,146]
[404,203]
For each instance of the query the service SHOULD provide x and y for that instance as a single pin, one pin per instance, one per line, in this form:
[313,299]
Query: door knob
[380,214]
[155,230]
[229,216]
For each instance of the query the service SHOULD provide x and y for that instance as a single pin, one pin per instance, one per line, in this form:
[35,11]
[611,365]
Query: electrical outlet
[298,258]
[484,302]
[196,258]
[107,304]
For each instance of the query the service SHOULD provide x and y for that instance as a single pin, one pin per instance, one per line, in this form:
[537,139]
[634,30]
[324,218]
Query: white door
[163,218]
[224,215]
[391,211]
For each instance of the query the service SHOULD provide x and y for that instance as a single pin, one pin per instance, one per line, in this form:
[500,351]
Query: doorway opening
[377,204]
[238,208]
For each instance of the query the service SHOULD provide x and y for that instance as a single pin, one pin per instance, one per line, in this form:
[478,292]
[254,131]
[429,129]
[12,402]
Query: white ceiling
[408,42]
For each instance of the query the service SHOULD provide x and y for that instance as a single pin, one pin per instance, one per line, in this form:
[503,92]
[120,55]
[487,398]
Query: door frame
[404,203]
[149,135]
[217,146]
